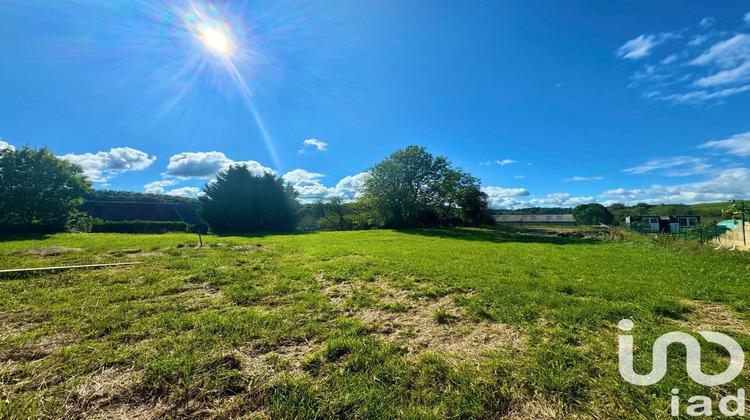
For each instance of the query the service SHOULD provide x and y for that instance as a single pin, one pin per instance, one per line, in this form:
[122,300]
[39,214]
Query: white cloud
[560,200]
[184,191]
[4,145]
[675,166]
[103,166]
[302,177]
[350,186]
[583,178]
[746,18]
[641,46]
[698,40]
[710,74]
[519,176]
[707,22]
[157,187]
[207,165]
[310,188]
[670,59]
[317,143]
[703,95]
[739,144]
[731,57]
[499,162]
[736,75]
[725,185]
[728,53]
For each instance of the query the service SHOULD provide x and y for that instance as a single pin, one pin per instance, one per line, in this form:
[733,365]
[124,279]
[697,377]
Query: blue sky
[548,103]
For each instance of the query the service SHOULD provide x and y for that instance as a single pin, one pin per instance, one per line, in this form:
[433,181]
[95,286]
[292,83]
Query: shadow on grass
[263,234]
[12,237]
[501,236]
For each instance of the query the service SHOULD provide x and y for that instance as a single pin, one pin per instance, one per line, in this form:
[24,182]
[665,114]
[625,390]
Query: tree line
[411,188]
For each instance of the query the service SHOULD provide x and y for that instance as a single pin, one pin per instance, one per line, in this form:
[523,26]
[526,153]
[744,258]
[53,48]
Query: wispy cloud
[498,162]
[714,64]
[707,22]
[674,166]
[739,145]
[641,46]
[724,185]
[583,178]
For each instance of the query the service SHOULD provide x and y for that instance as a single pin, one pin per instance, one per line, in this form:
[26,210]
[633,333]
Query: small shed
[536,219]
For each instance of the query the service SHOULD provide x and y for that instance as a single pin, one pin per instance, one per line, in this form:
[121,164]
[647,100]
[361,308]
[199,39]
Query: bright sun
[216,40]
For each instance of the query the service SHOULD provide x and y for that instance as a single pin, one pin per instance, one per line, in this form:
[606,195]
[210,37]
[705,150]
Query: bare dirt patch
[273,364]
[49,251]
[712,316]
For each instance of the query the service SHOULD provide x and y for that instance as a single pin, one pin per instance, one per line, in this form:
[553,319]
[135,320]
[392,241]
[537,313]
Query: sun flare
[216,40]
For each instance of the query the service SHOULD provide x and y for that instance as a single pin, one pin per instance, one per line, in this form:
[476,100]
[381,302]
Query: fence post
[744,237]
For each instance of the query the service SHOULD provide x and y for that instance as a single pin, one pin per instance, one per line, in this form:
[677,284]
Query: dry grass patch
[49,251]
[41,348]
[426,325]
[274,364]
[712,316]
[16,323]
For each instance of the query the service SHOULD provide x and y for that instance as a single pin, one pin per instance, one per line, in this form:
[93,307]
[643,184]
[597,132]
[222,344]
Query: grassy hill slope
[371,324]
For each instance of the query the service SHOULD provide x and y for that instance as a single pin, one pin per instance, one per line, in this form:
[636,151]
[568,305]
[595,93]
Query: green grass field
[460,323]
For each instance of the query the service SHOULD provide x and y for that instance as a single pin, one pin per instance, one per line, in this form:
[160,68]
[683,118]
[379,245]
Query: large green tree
[238,201]
[38,190]
[412,188]
[592,214]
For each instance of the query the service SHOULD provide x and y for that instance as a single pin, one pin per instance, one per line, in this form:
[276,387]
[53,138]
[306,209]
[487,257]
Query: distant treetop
[129,196]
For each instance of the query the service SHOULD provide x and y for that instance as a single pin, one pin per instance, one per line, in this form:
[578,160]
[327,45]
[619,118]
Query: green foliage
[79,222]
[239,201]
[38,190]
[592,214]
[412,188]
[130,196]
[333,214]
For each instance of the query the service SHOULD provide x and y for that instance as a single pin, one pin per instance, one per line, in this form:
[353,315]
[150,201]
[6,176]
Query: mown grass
[294,326]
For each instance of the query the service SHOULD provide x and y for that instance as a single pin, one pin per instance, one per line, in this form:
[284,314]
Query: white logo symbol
[693,362]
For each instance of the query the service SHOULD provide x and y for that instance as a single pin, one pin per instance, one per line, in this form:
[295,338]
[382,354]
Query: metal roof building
[536,219]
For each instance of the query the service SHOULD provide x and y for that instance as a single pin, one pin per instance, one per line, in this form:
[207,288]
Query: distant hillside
[707,211]
[535,210]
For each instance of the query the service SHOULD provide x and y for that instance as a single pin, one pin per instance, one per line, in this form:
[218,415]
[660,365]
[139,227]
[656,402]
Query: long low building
[536,219]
